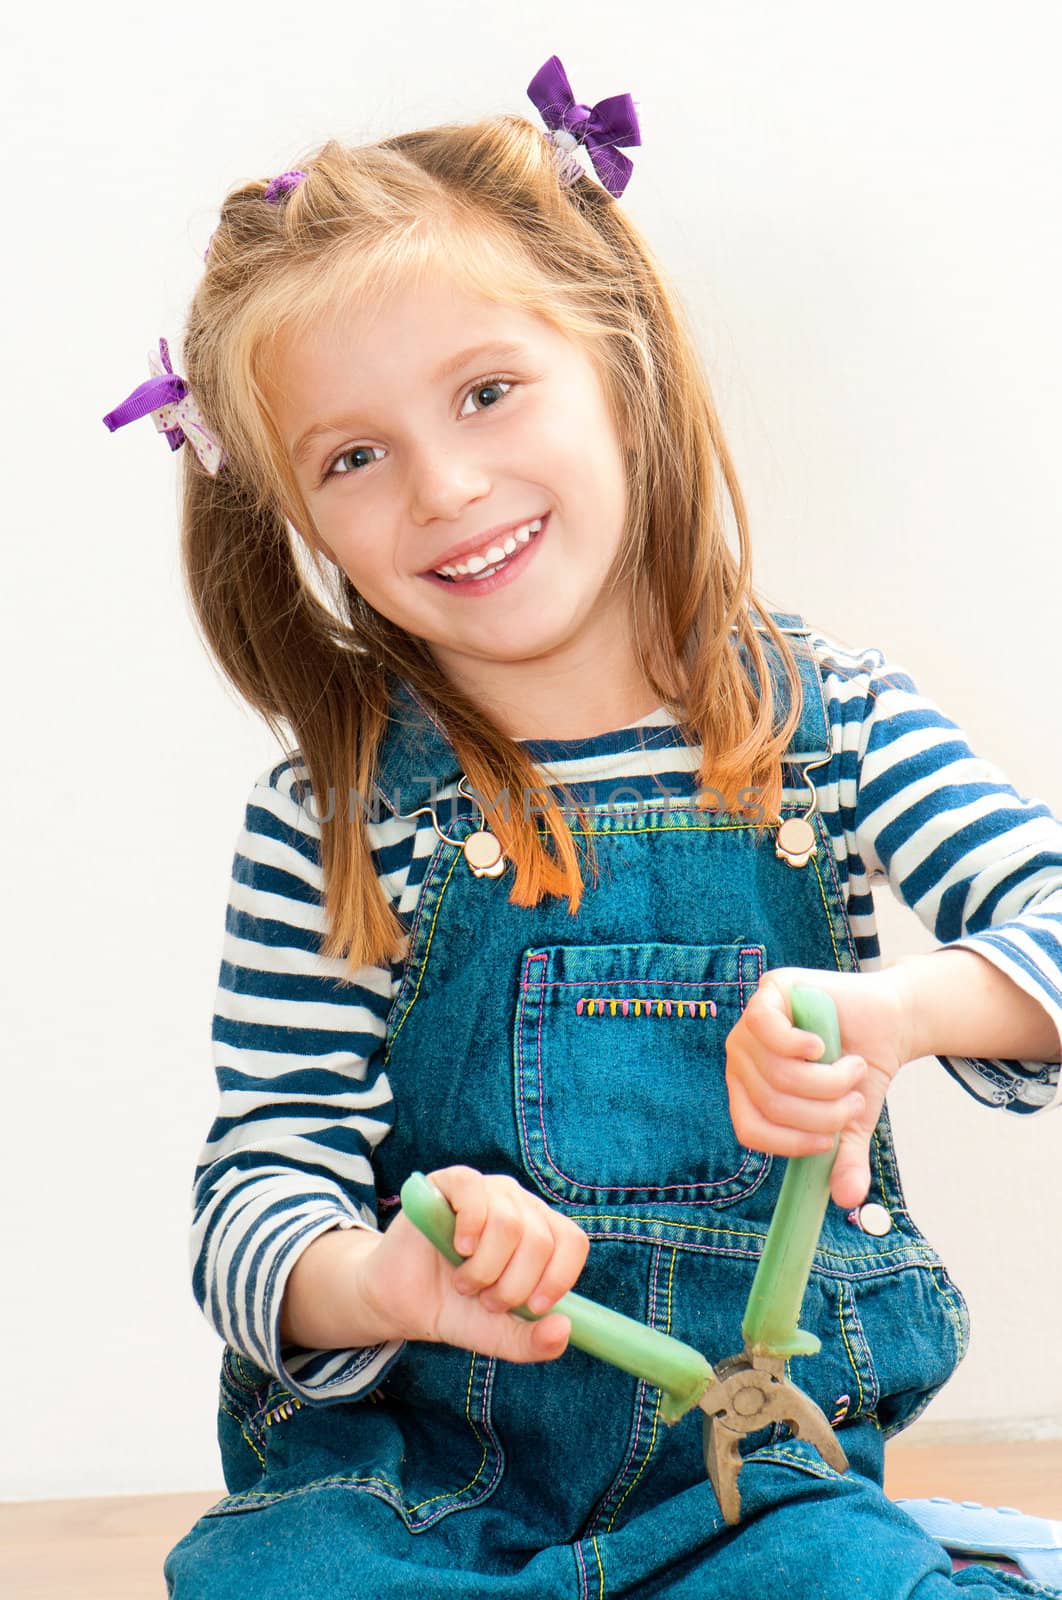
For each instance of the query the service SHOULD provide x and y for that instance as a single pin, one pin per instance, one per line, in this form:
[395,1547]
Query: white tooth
[474,564]
[495,554]
[510,545]
[536,525]
[459,567]
[447,572]
[523,534]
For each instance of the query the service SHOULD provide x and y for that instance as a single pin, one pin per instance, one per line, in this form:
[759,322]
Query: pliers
[743,1392]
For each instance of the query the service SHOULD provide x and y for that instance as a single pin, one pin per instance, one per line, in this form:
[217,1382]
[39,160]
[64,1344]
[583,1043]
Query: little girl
[567,811]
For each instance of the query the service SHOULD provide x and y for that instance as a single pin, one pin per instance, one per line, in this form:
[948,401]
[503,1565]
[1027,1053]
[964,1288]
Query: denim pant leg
[818,1535]
[339,1544]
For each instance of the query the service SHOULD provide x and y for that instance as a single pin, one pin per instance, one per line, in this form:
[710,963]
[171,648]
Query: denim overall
[466,1476]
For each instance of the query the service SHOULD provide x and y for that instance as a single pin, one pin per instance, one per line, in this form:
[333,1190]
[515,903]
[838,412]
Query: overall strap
[416,758]
[810,739]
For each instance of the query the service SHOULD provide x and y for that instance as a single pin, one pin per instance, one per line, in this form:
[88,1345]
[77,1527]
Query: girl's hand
[782,1100]
[518,1252]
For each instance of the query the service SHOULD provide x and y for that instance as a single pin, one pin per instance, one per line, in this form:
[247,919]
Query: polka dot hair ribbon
[166,398]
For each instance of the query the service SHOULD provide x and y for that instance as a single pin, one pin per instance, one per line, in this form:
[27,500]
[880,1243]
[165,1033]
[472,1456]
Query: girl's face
[442,428]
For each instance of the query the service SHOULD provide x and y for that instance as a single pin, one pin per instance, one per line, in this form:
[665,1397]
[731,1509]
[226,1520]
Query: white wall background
[861,207]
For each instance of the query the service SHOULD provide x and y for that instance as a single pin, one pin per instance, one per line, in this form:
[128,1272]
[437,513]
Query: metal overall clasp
[482,851]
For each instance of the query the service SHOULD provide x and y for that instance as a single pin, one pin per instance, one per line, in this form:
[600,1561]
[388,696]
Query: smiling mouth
[476,567]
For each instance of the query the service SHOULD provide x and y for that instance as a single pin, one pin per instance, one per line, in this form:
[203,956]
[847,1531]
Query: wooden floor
[113,1549]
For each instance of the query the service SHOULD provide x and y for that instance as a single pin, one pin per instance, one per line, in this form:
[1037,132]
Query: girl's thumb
[544,1340]
[850,1178]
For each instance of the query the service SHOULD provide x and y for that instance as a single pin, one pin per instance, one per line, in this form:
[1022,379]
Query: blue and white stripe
[304,1099]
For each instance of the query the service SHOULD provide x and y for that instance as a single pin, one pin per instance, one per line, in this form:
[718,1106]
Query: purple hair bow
[601,128]
[167,400]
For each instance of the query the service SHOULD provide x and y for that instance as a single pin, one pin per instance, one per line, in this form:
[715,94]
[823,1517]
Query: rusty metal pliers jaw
[751,1391]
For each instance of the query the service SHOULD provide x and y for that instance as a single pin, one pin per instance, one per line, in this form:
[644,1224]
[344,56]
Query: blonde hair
[491,201]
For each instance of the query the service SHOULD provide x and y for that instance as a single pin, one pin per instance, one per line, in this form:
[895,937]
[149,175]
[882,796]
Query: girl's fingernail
[538,1302]
[464,1246]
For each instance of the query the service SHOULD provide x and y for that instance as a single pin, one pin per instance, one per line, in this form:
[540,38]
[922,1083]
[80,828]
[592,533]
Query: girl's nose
[443,483]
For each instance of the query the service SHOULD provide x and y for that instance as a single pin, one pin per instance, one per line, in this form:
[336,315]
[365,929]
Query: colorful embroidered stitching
[687,1008]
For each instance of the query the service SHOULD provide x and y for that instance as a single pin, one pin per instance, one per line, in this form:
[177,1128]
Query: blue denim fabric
[465,1475]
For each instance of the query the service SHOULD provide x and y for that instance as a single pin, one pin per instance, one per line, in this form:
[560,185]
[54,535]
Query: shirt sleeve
[303,1100]
[979,864]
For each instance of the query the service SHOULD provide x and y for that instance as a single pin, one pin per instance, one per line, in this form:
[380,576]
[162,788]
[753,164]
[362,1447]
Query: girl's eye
[347,463]
[498,386]
[339,469]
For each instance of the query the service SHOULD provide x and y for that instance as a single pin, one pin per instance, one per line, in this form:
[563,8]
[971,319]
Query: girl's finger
[821,1080]
[756,1133]
[807,1116]
[768,1020]
[501,1234]
[564,1266]
[524,1267]
[466,1190]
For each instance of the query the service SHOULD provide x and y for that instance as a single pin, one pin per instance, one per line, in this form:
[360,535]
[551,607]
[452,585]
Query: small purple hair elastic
[278,187]
[275,191]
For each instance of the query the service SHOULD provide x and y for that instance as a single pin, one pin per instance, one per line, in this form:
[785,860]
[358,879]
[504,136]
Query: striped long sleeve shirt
[303,1096]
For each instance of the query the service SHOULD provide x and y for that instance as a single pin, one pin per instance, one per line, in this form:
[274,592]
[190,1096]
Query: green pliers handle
[773,1308]
[676,1368]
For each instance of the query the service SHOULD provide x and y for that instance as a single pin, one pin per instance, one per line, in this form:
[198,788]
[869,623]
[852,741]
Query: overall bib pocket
[619,1068]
